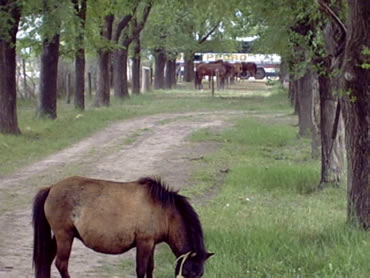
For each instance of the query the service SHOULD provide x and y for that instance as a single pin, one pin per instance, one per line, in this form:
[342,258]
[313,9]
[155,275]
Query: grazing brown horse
[113,217]
[211,70]
[250,68]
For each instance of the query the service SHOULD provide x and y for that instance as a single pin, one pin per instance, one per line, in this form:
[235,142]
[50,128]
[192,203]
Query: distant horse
[230,69]
[233,70]
[249,68]
[113,217]
[211,70]
[238,69]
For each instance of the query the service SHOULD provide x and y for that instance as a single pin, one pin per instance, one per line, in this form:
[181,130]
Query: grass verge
[267,220]
[41,137]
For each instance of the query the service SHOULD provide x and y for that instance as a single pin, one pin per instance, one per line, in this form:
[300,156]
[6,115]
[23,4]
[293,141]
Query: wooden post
[218,79]
[89,84]
[213,85]
[68,89]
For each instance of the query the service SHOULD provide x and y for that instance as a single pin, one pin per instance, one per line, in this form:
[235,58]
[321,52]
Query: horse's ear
[209,255]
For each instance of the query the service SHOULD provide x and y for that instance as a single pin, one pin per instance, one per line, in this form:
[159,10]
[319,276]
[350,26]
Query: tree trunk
[332,149]
[89,84]
[128,36]
[8,92]
[283,71]
[170,74]
[160,62]
[68,89]
[79,97]
[136,66]
[25,86]
[189,67]
[102,97]
[293,85]
[332,132]
[48,78]
[304,95]
[316,139]
[356,112]
[120,74]
[103,79]
[173,73]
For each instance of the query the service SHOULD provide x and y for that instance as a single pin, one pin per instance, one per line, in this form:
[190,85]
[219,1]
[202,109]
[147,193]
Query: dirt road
[126,150]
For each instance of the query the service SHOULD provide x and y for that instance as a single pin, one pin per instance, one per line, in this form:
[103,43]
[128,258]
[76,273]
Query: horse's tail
[44,246]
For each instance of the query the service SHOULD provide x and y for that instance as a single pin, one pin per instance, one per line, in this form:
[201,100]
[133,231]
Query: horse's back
[107,216]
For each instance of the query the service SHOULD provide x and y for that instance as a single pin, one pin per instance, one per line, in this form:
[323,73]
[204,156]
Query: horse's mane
[160,192]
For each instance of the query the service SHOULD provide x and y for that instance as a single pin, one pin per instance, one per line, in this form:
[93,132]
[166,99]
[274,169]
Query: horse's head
[191,265]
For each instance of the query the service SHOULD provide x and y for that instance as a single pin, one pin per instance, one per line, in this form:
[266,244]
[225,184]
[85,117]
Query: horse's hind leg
[64,246]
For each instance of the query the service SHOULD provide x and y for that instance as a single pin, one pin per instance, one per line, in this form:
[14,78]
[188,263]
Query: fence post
[89,84]
[68,88]
[218,79]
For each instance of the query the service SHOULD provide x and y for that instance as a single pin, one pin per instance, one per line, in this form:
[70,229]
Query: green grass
[264,219]
[267,220]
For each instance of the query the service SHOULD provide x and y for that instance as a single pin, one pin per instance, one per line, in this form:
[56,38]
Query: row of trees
[325,47]
[108,29]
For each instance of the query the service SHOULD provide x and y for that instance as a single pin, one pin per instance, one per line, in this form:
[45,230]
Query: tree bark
[89,84]
[8,92]
[160,62]
[304,95]
[120,60]
[103,79]
[68,89]
[136,66]
[120,73]
[356,112]
[170,73]
[48,78]
[102,97]
[332,149]
[189,67]
[283,71]
[79,97]
[315,115]
[293,85]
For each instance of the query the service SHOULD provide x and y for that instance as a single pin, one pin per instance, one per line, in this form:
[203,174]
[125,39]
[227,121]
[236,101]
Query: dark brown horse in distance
[113,217]
[249,69]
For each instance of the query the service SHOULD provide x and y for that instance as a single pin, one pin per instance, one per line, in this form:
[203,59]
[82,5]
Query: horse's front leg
[150,267]
[144,252]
